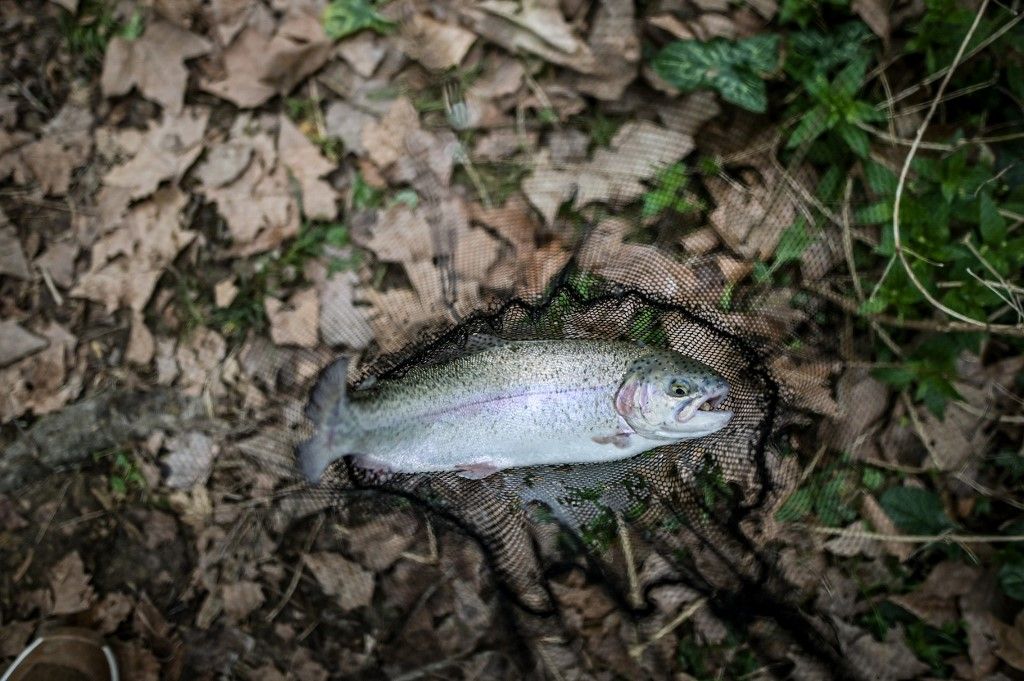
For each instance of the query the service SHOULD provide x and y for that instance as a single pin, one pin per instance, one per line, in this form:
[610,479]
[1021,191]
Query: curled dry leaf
[154,62]
[127,262]
[166,152]
[70,586]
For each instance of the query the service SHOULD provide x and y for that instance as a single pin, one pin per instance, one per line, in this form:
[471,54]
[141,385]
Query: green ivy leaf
[732,68]
[344,17]
[916,510]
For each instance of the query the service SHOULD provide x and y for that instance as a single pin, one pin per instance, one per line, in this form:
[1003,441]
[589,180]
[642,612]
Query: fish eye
[678,389]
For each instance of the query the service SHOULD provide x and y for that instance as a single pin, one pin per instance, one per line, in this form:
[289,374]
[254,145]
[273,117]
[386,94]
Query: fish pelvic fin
[328,409]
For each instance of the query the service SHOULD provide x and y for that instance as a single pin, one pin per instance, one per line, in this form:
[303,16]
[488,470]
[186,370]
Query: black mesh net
[538,192]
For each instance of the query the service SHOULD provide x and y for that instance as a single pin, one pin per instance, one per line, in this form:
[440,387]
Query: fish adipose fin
[327,409]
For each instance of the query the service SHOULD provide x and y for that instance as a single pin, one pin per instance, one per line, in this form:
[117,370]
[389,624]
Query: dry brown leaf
[294,322]
[198,359]
[65,144]
[615,45]
[400,234]
[166,366]
[168,150]
[14,636]
[258,67]
[224,292]
[615,174]
[241,598]
[363,52]
[12,257]
[140,341]
[536,27]
[111,611]
[70,586]
[875,14]
[136,662]
[952,440]
[347,122]
[436,45]
[258,206]
[889,660]
[807,383]
[385,141]
[127,262]
[934,601]
[17,343]
[1010,641]
[750,217]
[350,584]
[378,544]
[154,62]
[883,524]
[41,382]
[307,165]
[861,401]
[341,322]
[189,459]
[58,260]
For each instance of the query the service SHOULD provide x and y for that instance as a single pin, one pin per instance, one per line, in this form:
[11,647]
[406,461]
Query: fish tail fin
[328,409]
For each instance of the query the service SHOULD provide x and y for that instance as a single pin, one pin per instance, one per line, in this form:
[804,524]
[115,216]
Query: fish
[512,404]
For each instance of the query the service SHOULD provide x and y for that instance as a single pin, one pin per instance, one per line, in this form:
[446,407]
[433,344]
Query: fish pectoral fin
[620,440]
[476,471]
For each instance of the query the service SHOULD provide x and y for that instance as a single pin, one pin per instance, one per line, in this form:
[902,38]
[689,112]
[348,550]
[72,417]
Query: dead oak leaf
[348,582]
[127,263]
[615,174]
[257,67]
[751,216]
[307,165]
[42,382]
[436,45]
[294,322]
[385,141]
[241,599]
[167,152]
[198,360]
[70,586]
[341,322]
[12,257]
[154,62]
[189,460]
[17,343]
[65,144]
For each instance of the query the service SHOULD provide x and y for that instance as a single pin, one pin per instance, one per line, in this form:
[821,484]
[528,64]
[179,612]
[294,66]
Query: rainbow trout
[515,403]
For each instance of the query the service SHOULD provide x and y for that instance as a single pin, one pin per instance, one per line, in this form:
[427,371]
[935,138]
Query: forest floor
[201,201]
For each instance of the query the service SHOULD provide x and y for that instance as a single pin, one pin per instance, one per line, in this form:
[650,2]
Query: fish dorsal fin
[483,341]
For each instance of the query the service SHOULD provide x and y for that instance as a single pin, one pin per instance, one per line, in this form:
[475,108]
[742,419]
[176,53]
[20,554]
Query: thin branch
[638,649]
[852,307]
[918,538]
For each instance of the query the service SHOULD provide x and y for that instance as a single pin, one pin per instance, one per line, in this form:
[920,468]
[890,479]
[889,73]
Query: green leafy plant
[87,32]
[344,17]
[734,69]
[836,108]
[667,193]
[916,510]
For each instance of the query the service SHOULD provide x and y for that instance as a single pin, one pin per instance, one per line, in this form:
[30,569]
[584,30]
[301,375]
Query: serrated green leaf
[855,138]
[808,129]
[344,17]
[916,510]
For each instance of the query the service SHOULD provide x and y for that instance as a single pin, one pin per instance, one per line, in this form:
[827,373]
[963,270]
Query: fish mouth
[702,415]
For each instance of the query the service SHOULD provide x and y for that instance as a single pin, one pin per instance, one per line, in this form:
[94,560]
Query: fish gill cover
[820,203]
